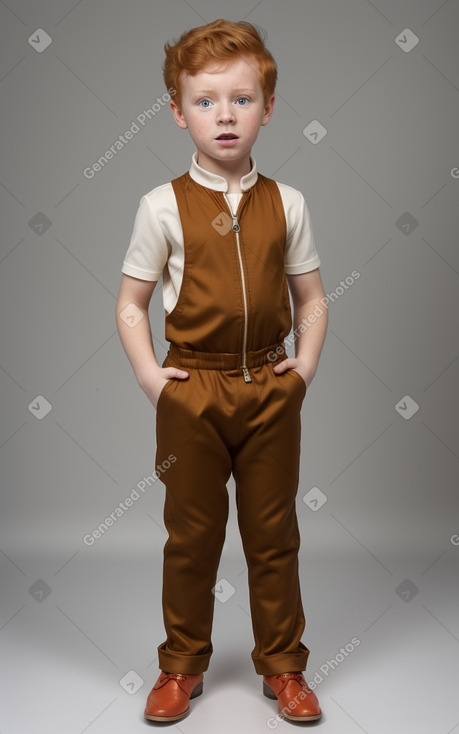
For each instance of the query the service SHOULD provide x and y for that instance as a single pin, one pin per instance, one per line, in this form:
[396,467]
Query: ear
[269,109]
[178,115]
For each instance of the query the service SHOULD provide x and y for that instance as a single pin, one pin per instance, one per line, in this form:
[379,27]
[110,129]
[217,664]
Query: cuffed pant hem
[281,663]
[176,662]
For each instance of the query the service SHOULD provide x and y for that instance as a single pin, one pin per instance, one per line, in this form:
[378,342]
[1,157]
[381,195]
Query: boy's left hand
[303,368]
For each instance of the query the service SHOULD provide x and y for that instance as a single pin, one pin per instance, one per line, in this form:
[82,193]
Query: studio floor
[78,647]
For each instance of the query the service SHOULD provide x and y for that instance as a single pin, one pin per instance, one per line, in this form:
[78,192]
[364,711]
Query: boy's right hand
[153,383]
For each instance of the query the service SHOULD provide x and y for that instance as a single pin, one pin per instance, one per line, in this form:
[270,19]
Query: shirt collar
[218,183]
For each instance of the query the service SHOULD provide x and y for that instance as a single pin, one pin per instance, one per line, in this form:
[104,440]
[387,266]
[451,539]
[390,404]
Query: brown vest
[218,311]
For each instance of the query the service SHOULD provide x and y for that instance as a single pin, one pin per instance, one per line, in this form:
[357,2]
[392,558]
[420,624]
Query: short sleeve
[301,254]
[148,251]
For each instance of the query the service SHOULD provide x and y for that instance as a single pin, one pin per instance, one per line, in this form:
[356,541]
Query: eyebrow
[210,91]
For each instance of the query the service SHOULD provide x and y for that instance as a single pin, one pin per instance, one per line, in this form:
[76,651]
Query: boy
[227,397]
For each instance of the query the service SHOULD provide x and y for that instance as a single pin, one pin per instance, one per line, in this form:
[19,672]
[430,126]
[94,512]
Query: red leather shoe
[169,699]
[296,700]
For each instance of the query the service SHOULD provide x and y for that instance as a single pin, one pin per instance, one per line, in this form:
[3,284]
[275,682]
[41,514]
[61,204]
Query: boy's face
[223,98]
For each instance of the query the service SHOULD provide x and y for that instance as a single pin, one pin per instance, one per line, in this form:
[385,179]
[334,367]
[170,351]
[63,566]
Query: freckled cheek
[202,123]
[253,128]
[199,127]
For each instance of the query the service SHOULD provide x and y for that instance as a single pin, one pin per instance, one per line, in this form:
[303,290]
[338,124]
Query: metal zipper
[236,229]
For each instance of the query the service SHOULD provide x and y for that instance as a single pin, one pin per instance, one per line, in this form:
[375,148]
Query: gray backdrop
[366,127]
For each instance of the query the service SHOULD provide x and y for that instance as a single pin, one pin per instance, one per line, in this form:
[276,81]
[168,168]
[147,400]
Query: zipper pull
[246,374]
[236,227]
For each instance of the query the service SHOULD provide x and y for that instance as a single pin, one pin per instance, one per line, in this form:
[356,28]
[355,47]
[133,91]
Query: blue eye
[204,103]
[242,99]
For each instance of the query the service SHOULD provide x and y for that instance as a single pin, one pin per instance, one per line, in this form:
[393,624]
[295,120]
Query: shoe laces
[174,676]
[298,676]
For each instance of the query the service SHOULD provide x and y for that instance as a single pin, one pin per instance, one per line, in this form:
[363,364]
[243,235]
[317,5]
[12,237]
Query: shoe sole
[269,693]
[196,692]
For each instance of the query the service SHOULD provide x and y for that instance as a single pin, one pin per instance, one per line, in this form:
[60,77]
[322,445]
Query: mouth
[227,136]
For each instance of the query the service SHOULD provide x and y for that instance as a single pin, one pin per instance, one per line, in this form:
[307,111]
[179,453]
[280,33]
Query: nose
[225,113]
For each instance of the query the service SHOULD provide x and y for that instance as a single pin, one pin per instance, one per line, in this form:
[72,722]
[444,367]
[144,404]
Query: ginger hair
[223,41]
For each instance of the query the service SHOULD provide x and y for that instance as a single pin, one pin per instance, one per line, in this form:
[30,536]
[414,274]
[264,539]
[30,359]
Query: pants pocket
[296,375]
[165,388]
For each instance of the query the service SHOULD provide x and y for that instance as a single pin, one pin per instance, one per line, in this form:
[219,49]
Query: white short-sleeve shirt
[157,246]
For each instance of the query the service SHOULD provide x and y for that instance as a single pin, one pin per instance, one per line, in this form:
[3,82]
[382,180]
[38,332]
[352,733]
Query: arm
[307,291]
[137,340]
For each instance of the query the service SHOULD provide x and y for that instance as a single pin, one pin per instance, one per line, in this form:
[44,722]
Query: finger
[175,373]
[283,366]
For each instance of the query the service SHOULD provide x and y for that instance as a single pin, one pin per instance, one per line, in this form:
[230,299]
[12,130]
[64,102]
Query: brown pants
[214,423]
